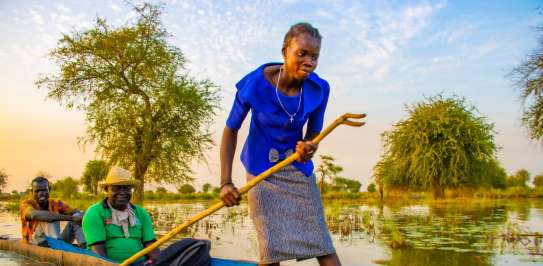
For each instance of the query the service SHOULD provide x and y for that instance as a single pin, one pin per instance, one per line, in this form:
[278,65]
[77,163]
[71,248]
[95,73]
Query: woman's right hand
[230,195]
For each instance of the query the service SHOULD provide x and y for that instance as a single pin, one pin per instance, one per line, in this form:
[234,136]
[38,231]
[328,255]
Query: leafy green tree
[346,184]
[3,180]
[371,188]
[488,174]
[65,188]
[95,171]
[207,187]
[327,170]
[436,146]
[186,189]
[161,190]
[43,173]
[529,78]
[538,180]
[143,110]
[519,179]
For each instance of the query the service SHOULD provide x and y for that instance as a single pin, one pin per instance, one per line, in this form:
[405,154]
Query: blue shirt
[272,137]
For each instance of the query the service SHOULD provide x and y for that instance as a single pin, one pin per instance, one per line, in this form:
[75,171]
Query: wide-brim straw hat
[118,176]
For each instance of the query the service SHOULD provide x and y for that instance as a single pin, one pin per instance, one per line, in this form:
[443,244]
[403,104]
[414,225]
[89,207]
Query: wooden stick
[344,119]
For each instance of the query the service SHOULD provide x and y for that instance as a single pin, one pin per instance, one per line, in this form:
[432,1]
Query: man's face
[119,196]
[40,192]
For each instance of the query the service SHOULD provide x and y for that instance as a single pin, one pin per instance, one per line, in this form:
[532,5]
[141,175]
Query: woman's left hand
[306,149]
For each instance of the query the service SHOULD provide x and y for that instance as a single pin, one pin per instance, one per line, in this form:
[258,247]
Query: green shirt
[98,229]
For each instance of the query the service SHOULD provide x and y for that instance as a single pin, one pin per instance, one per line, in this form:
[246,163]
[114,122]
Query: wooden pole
[342,120]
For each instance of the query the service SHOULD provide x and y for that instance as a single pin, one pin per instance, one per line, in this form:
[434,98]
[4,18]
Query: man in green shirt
[115,228]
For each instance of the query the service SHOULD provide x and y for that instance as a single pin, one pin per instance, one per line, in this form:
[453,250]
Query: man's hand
[77,219]
[230,195]
[306,149]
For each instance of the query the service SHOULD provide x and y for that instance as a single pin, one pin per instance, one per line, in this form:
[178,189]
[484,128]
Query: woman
[285,208]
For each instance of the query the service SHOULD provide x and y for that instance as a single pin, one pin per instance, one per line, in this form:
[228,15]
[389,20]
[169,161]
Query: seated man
[114,227]
[41,216]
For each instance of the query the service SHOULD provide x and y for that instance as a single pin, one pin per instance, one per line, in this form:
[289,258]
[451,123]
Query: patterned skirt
[287,212]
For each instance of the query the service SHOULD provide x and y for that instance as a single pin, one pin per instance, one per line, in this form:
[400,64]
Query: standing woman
[286,208]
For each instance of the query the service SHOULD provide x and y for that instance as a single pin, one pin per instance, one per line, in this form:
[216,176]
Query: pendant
[273,155]
[288,153]
[291,119]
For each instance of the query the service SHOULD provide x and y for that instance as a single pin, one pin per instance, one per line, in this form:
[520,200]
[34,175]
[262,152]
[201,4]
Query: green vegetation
[345,184]
[371,188]
[3,180]
[437,146]
[207,187]
[538,181]
[143,110]
[95,171]
[519,179]
[529,78]
[66,188]
[186,189]
[327,170]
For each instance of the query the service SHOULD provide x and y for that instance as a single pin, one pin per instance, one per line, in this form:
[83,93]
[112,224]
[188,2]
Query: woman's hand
[306,149]
[230,195]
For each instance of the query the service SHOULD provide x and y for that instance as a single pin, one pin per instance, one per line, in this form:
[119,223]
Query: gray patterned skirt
[287,212]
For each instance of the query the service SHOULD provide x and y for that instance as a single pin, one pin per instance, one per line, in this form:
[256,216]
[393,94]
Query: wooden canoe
[66,258]
[57,257]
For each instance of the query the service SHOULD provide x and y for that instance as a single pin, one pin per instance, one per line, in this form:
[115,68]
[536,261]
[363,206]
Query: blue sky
[377,55]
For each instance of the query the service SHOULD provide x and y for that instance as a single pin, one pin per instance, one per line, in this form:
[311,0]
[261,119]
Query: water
[489,233]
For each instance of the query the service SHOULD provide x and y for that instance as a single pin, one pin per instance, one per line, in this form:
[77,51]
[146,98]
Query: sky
[378,56]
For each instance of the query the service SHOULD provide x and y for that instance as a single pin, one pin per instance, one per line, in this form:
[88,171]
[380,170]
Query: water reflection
[488,233]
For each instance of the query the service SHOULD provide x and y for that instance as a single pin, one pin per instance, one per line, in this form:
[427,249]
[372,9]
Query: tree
[327,169]
[161,190]
[371,188]
[437,146]
[143,110]
[207,187]
[346,184]
[186,189]
[488,174]
[538,180]
[3,180]
[529,78]
[519,179]
[95,171]
[44,173]
[65,188]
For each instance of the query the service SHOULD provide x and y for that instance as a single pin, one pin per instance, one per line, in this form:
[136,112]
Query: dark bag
[186,252]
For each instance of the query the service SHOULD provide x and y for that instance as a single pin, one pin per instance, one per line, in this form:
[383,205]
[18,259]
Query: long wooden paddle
[342,120]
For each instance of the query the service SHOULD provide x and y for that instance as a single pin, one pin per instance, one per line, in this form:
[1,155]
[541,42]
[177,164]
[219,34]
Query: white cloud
[63,8]
[36,17]
[115,7]
[377,36]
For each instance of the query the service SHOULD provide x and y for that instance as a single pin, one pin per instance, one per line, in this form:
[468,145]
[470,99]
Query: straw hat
[118,176]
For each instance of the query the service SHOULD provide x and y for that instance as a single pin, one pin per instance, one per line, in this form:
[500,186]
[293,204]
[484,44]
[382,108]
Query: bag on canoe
[186,252]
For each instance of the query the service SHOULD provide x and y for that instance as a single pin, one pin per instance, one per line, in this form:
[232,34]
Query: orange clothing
[29,226]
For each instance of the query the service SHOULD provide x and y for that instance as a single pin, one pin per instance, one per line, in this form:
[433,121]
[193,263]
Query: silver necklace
[280,103]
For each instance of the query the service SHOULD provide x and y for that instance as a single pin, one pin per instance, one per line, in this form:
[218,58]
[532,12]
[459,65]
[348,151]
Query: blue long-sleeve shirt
[272,137]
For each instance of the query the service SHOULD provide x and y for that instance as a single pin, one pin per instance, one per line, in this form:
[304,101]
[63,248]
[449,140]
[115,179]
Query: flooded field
[489,233]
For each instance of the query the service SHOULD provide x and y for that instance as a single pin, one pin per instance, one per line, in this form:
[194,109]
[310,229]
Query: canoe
[66,258]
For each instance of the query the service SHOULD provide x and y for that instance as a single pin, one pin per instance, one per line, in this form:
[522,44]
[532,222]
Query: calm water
[493,233]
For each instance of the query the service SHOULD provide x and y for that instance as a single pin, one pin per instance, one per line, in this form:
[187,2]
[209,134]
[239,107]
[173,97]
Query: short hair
[299,28]
[40,179]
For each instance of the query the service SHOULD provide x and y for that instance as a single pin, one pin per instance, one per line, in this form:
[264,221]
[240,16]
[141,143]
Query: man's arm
[154,253]
[47,216]
[99,249]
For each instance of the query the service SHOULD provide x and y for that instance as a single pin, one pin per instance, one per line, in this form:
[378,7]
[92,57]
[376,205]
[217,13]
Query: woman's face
[301,56]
